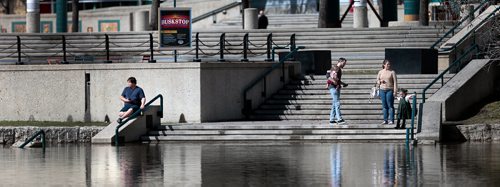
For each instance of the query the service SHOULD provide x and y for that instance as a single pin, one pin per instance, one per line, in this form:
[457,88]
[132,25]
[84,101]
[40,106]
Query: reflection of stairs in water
[275,131]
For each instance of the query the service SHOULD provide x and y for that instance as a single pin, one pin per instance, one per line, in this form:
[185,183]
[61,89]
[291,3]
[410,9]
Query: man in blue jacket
[133,98]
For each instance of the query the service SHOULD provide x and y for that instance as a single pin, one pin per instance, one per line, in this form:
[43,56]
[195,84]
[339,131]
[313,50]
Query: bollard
[197,47]
[222,46]
[107,49]
[19,62]
[64,61]
[151,57]
[269,46]
[245,48]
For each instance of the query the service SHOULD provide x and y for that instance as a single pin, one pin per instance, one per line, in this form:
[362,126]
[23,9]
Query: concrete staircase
[275,131]
[308,99]
[283,21]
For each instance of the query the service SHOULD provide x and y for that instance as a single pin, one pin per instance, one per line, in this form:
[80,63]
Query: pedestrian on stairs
[262,21]
[334,83]
[388,84]
[133,98]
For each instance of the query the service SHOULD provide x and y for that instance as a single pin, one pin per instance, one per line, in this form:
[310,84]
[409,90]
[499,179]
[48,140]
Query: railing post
[222,46]
[282,78]
[292,46]
[245,48]
[151,57]
[175,55]
[19,62]
[65,61]
[413,110]
[269,46]
[107,49]
[197,47]
[292,42]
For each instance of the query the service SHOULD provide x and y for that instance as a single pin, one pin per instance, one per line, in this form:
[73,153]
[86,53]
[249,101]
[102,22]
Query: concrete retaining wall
[480,132]
[476,82]
[222,87]
[193,92]
[10,135]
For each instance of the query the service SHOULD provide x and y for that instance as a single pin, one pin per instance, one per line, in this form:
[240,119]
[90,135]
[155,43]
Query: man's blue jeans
[335,112]
[387,97]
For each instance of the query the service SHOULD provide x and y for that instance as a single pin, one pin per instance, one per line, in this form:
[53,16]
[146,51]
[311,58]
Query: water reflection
[253,164]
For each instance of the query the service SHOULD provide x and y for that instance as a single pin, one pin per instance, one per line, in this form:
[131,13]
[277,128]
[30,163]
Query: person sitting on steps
[133,98]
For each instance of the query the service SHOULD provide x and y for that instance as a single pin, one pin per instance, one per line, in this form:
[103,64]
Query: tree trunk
[293,6]
[75,16]
[329,14]
[154,15]
[5,4]
[424,13]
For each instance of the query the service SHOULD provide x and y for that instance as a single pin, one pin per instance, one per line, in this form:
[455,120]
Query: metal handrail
[39,133]
[410,132]
[216,11]
[264,75]
[137,113]
[441,76]
[452,30]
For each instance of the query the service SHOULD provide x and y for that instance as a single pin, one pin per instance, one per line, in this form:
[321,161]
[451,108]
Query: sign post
[174,28]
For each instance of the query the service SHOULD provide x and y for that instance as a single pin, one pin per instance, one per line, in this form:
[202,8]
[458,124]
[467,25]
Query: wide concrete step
[317,112]
[356,119]
[329,97]
[350,87]
[325,131]
[318,107]
[362,137]
[269,125]
[326,101]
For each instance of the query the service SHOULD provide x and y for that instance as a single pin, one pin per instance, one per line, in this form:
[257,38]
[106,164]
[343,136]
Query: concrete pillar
[33,16]
[251,18]
[360,18]
[141,20]
[62,16]
[412,10]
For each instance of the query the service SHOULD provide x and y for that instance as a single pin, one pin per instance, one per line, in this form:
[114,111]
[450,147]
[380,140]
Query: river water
[252,164]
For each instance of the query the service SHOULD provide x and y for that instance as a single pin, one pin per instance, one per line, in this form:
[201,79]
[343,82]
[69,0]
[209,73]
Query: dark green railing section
[457,63]
[411,131]
[216,11]
[453,30]
[39,133]
[247,104]
[138,113]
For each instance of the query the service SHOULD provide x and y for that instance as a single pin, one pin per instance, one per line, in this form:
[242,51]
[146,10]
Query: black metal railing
[40,133]
[138,113]
[104,48]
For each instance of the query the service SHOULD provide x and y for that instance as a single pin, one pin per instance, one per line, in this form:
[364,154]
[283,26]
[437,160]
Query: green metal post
[413,110]
[61,16]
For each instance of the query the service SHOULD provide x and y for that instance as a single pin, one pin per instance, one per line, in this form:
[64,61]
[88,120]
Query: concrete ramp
[132,130]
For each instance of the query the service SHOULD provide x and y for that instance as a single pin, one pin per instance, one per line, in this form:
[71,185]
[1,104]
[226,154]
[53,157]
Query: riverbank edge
[10,135]
[480,132]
